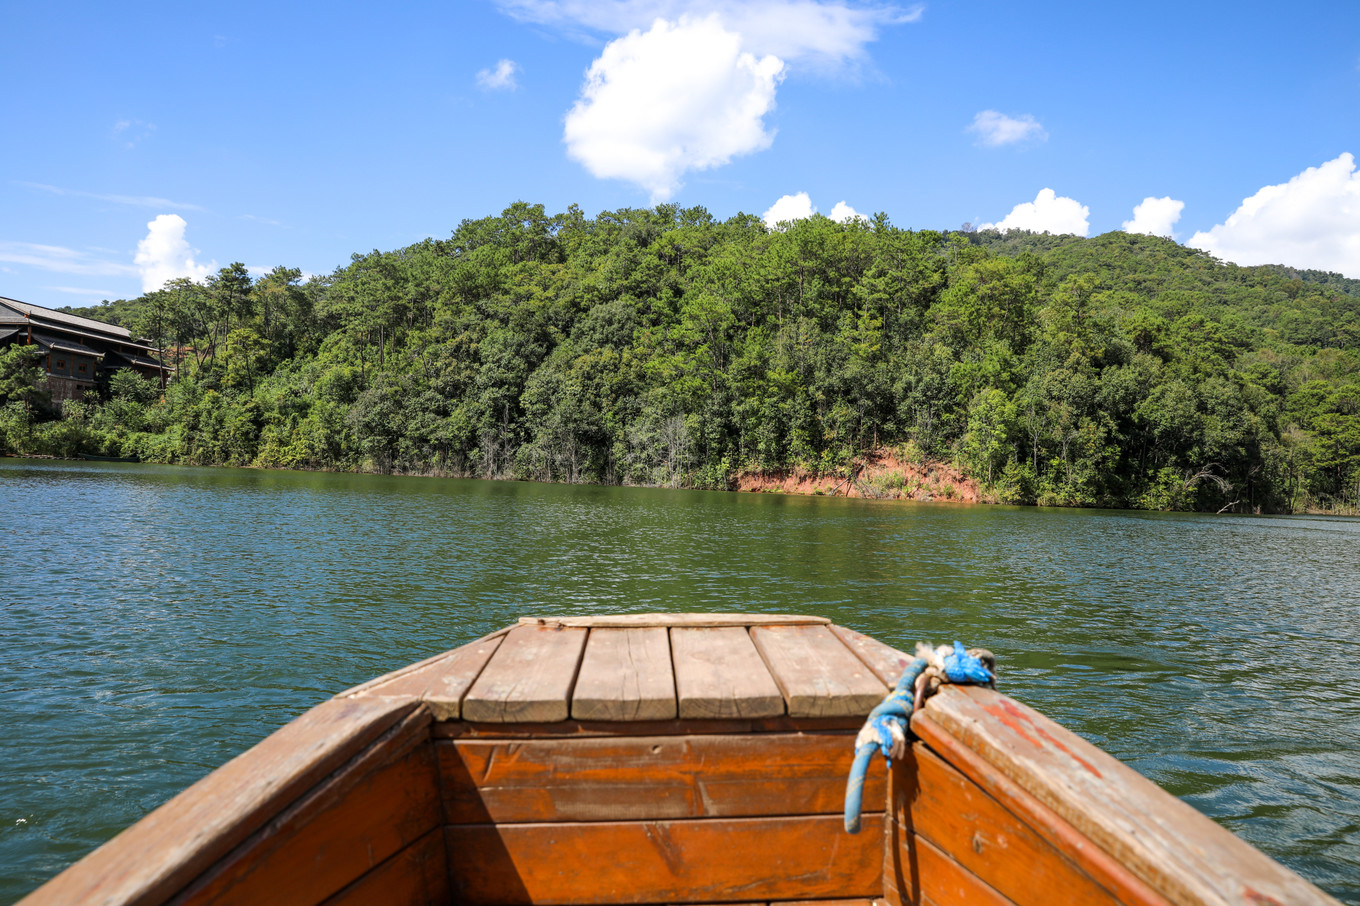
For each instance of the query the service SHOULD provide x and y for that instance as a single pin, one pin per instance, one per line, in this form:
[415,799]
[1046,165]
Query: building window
[82,367]
[61,363]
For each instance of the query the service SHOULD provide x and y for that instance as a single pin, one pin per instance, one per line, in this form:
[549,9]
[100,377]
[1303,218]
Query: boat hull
[669,759]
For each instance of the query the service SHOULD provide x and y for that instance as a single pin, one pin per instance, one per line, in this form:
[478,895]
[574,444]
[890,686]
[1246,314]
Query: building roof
[60,344]
[38,313]
[119,357]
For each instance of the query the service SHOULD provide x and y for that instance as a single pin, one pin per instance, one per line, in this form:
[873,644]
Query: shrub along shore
[663,347]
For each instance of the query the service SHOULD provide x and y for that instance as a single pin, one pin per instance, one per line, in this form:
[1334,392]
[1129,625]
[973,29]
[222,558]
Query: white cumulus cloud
[1312,221]
[995,129]
[165,254]
[679,97]
[800,207]
[843,213]
[813,31]
[1155,217]
[501,78]
[789,207]
[1049,212]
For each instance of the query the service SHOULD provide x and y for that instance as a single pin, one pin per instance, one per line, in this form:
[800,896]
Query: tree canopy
[662,346]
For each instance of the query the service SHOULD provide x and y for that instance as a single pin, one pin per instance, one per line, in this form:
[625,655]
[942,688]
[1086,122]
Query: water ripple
[166,619]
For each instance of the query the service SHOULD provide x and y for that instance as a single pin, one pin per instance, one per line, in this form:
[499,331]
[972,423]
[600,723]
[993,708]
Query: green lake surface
[156,621]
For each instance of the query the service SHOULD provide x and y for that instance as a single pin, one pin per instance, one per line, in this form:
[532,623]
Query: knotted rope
[886,727]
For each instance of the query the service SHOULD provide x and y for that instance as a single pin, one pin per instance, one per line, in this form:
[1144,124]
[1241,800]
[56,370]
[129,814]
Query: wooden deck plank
[650,778]
[719,673]
[416,876]
[940,805]
[155,858]
[721,860]
[370,810]
[529,678]
[692,620]
[626,675]
[885,661]
[818,675]
[442,681]
[1177,850]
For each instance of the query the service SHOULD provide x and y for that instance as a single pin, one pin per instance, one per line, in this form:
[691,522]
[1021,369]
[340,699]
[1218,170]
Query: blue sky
[150,140]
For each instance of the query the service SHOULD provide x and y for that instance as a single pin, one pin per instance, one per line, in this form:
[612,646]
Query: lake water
[156,621]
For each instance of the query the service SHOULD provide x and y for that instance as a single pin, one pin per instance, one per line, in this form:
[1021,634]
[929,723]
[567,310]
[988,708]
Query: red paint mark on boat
[1073,755]
[1014,718]
[1256,896]
[1010,715]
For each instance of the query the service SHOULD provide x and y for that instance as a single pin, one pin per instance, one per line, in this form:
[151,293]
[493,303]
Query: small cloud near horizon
[1049,212]
[800,207]
[1155,217]
[165,254]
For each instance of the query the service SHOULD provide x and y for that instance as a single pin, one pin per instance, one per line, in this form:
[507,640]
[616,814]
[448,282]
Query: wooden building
[77,351]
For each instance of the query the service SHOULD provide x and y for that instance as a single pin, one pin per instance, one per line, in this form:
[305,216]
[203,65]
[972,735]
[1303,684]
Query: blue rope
[888,722]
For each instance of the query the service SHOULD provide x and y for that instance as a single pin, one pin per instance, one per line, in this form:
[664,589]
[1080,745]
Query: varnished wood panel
[939,804]
[629,620]
[886,662]
[441,682]
[570,729]
[529,678]
[626,675]
[817,674]
[719,673]
[157,856]
[650,778]
[1177,850]
[362,815]
[946,883]
[416,876]
[1099,865]
[714,861]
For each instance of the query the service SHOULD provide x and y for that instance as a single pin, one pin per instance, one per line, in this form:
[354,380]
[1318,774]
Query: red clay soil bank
[880,475]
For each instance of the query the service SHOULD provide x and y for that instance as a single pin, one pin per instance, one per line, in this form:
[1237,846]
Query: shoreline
[879,476]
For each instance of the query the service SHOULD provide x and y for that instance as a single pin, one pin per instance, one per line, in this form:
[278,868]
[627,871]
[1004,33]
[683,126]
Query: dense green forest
[660,346]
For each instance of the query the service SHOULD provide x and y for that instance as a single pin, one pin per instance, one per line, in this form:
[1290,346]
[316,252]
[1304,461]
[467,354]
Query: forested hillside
[664,347]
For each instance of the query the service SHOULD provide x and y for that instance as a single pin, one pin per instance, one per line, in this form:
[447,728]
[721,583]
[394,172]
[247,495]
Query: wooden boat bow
[668,758]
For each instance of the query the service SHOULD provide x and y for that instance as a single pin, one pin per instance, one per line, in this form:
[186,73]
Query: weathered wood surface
[649,778]
[442,681]
[1178,851]
[626,676]
[530,678]
[719,860]
[416,876]
[369,810]
[885,661]
[583,729]
[156,857]
[943,882]
[935,802]
[633,620]
[817,674]
[719,673]
[1103,868]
